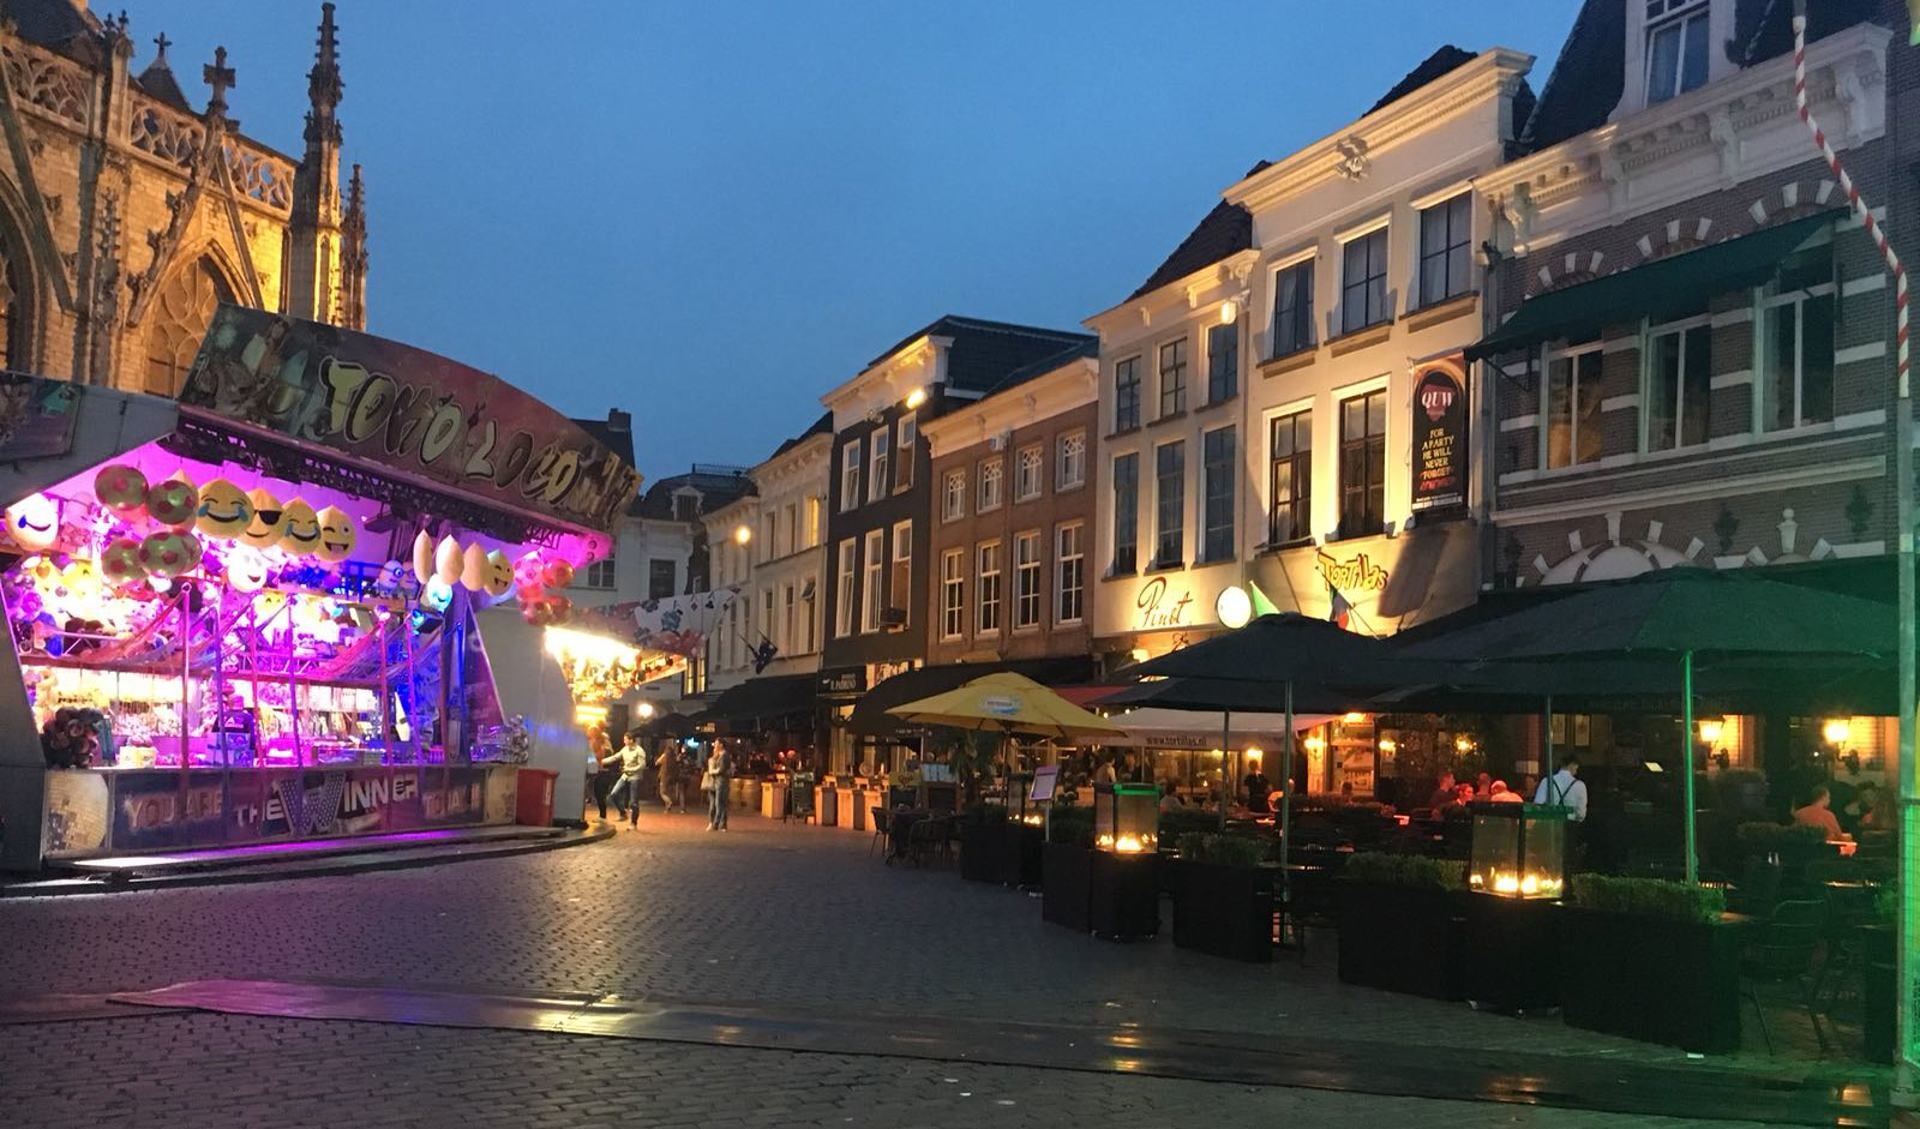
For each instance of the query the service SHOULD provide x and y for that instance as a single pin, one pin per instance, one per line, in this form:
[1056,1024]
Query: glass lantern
[1126,818]
[1519,850]
[1021,807]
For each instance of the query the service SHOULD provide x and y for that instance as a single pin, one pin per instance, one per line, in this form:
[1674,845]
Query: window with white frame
[1570,406]
[986,598]
[789,636]
[1026,580]
[816,529]
[1363,464]
[992,473]
[1027,469]
[1446,249]
[1677,394]
[1126,394]
[1363,282]
[953,593]
[907,431]
[1290,459]
[769,534]
[1223,362]
[1070,574]
[602,575]
[1070,464]
[843,589]
[1126,514]
[1217,514]
[808,613]
[900,583]
[791,524]
[768,628]
[953,495]
[1170,504]
[1796,342]
[1676,47]
[878,482]
[1173,378]
[850,476]
[873,591]
[1293,308]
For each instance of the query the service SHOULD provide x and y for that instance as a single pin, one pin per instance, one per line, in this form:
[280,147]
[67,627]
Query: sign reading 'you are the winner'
[1439,439]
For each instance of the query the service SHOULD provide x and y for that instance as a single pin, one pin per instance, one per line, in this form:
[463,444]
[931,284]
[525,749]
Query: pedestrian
[601,768]
[719,774]
[626,793]
[668,767]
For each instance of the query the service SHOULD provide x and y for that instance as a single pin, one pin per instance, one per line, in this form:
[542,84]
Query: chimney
[618,420]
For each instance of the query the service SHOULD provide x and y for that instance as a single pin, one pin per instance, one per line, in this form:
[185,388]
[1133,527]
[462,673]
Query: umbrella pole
[1286,820]
[1546,767]
[1686,760]
[1226,765]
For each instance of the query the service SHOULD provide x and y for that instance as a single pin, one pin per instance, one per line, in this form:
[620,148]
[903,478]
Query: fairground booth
[276,609]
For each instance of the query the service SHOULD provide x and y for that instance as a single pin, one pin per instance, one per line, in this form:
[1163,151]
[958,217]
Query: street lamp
[916,398]
[742,534]
[645,710]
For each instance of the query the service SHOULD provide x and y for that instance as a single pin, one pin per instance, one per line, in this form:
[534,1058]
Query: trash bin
[533,797]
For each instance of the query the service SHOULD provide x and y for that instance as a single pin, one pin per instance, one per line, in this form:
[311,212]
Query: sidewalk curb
[252,874]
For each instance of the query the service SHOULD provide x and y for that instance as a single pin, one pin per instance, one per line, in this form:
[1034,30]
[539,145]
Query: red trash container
[533,797]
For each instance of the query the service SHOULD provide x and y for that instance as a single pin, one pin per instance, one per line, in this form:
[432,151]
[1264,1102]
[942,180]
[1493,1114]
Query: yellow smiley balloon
[337,535]
[302,536]
[225,512]
[268,522]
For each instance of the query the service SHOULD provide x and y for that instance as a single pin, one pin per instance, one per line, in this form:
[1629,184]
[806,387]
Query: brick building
[128,212]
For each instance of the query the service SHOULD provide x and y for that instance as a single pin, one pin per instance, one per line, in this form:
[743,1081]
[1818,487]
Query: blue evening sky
[710,213]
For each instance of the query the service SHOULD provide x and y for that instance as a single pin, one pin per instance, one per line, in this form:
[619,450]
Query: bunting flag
[1339,610]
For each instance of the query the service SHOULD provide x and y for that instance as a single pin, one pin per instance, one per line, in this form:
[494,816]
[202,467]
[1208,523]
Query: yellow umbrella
[1010,703]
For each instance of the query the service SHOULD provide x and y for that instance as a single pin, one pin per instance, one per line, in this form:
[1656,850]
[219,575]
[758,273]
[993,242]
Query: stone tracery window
[13,314]
[181,312]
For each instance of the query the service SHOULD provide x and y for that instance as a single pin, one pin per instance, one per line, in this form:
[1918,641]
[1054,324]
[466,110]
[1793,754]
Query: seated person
[1819,813]
[1499,793]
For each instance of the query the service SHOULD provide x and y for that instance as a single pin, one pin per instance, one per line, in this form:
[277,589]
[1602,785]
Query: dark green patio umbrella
[1674,615]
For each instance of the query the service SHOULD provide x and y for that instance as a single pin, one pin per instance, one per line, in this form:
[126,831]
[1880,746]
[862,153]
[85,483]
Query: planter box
[1123,895]
[1024,845]
[1652,979]
[983,851]
[1226,911]
[1066,878]
[1403,939]
[1513,953]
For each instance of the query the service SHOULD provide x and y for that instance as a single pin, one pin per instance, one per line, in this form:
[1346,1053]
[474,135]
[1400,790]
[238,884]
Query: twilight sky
[710,213]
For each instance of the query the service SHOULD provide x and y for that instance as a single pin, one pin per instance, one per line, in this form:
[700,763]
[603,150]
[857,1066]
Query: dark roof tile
[1223,232]
[160,84]
[1444,61]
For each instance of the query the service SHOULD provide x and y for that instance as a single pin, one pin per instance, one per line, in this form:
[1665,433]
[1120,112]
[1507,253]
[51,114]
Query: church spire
[324,87]
[353,256]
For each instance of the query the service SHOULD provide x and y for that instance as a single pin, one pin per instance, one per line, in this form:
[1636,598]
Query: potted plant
[983,843]
[1223,896]
[1650,959]
[1401,924]
[1066,868]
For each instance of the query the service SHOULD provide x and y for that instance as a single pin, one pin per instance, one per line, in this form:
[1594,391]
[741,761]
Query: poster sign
[408,410]
[37,416]
[1439,440]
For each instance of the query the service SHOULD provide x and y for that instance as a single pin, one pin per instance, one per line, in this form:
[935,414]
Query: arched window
[179,318]
[15,353]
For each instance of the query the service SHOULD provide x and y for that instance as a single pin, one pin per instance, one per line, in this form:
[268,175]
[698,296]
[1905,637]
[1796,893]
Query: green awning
[1665,287]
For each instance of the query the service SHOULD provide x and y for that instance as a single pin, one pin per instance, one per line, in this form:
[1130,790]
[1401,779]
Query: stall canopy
[1666,286]
[1009,703]
[870,716]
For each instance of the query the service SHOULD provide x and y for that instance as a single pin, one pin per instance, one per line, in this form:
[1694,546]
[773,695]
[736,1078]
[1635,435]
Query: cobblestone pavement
[764,916]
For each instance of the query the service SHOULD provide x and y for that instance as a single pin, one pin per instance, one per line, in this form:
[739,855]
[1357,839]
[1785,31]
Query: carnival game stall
[259,624]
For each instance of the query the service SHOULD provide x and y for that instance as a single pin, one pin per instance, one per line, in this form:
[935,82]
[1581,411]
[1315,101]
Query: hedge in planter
[1223,897]
[1400,924]
[1649,959]
[983,845]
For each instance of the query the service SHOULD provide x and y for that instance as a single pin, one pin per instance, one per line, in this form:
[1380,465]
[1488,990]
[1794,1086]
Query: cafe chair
[882,820]
[1783,954]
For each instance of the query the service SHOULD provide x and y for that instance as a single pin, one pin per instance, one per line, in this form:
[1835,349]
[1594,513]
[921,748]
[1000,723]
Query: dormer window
[1676,47]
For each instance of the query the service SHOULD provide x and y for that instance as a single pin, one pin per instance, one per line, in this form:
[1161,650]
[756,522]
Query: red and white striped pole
[1906,1089]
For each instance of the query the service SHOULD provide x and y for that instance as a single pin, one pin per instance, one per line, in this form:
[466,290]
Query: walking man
[719,775]
[626,793]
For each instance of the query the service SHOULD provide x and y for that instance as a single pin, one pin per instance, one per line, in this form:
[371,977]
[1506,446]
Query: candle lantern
[1021,806]
[1126,818]
[1519,850]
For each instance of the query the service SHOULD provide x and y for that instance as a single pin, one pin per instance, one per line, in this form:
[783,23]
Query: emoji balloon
[34,522]
[422,557]
[447,560]
[337,535]
[557,574]
[473,568]
[497,578]
[120,562]
[173,503]
[437,595]
[302,536]
[246,569]
[268,522]
[167,553]
[225,512]
[122,489]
